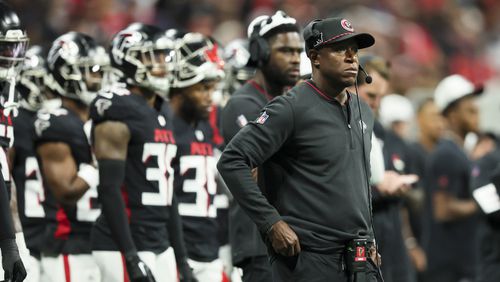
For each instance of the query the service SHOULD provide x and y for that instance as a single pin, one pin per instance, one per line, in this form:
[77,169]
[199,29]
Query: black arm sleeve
[177,238]
[6,225]
[251,146]
[175,232]
[111,176]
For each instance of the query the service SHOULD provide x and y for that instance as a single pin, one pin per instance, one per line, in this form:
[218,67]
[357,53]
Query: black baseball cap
[323,32]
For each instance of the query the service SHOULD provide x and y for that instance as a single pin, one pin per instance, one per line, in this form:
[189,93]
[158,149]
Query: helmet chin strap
[11,106]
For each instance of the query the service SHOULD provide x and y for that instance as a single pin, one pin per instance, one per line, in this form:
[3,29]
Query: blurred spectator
[449,220]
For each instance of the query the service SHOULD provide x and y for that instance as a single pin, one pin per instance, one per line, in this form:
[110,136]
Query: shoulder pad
[110,104]
[51,124]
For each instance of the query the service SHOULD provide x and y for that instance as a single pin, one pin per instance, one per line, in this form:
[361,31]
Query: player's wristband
[89,174]
[9,247]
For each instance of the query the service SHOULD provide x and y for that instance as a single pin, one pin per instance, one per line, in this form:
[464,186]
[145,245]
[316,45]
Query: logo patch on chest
[362,125]
[162,120]
[199,135]
[398,163]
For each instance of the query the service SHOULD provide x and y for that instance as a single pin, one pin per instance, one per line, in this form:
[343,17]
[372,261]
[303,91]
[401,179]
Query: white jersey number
[203,185]
[5,165]
[164,153]
[34,194]
[6,131]
[84,209]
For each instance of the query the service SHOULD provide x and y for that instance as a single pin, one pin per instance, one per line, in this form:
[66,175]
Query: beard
[278,76]
[192,111]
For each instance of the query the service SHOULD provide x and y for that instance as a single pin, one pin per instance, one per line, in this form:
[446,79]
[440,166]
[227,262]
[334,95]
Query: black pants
[257,269]
[314,267]
[489,272]
[447,275]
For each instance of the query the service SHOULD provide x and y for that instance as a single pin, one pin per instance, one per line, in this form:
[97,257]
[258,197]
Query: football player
[13,44]
[75,63]
[135,237]
[198,69]
[22,156]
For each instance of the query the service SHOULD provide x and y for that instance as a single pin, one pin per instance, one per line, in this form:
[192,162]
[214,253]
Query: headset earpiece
[258,46]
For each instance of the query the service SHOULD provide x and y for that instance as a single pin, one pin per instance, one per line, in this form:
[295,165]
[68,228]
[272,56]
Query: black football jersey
[70,225]
[195,188]
[6,141]
[28,180]
[148,186]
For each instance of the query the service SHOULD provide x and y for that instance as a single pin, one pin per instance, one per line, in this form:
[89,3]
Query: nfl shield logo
[263,117]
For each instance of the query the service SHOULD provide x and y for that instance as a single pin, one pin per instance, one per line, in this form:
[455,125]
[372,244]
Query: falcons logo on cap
[346,25]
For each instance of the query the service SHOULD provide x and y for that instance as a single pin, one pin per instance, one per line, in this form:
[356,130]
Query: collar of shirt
[324,96]
[260,89]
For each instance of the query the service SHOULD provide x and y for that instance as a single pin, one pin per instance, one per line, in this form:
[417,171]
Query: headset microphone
[368,78]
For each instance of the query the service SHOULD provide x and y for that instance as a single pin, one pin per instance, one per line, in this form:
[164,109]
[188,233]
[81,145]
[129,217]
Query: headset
[312,34]
[259,48]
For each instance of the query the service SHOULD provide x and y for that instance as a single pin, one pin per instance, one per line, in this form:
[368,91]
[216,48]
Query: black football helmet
[13,45]
[237,56]
[197,58]
[76,67]
[31,83]
[13,42]
[143,54]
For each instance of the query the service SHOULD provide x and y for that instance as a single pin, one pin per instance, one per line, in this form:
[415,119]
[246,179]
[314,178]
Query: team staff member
[486,191]
[430,126]
[13,42]
[277,61]
[320,203]
[450,225]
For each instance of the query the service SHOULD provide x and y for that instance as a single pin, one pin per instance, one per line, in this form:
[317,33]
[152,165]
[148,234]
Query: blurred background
[424,40]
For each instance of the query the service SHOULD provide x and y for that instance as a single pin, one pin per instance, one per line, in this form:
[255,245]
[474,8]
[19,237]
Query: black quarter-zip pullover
[321,190]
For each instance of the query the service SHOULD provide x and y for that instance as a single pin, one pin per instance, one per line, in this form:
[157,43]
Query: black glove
[186,272]
[137,270]
[11,262]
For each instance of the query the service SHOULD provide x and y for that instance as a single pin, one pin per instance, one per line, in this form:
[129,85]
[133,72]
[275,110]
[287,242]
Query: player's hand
[137,270]
[186,272]
[283,239]
[418,258]
[396,185]
[375,256]
[12,264]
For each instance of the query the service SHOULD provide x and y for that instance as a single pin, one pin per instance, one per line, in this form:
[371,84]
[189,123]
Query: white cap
[395,107]
[268,23]
[452,88]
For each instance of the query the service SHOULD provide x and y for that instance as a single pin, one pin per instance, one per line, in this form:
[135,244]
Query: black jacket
[321,189]
[243,106]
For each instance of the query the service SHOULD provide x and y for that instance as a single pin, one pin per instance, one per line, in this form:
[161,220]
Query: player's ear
[313,56]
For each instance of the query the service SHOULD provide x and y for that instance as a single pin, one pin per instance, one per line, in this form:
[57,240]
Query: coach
[318,208]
